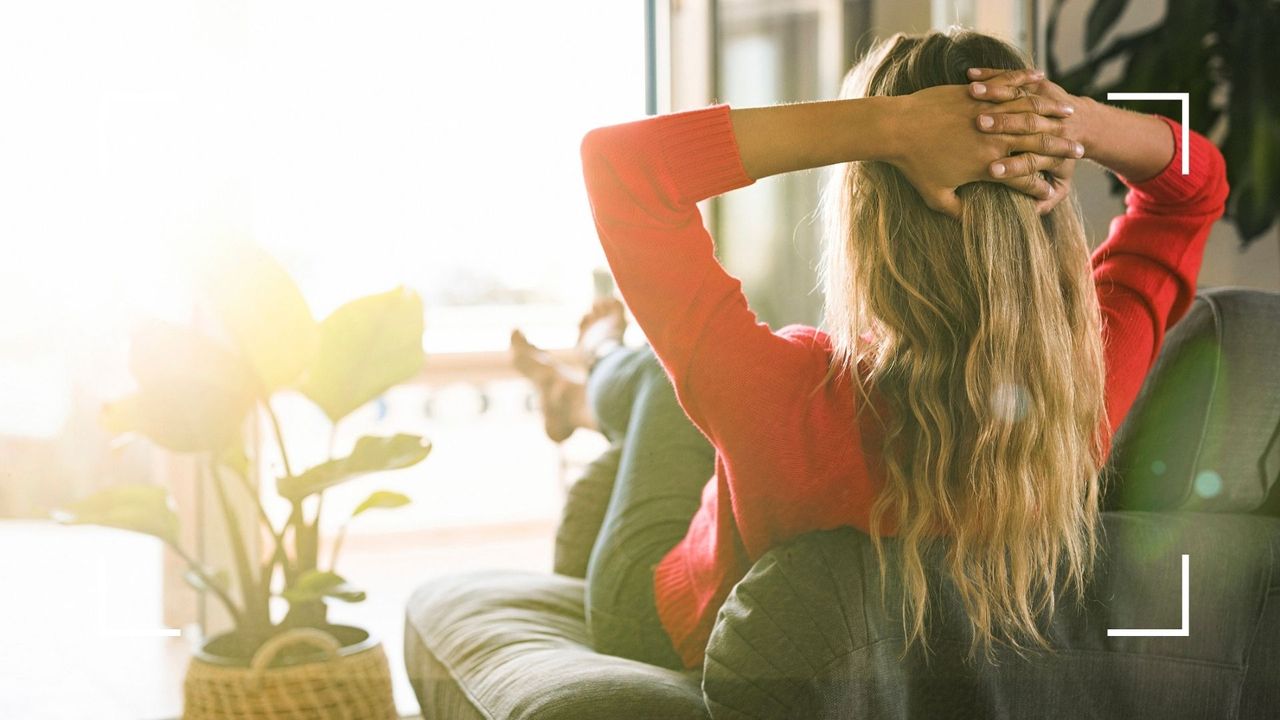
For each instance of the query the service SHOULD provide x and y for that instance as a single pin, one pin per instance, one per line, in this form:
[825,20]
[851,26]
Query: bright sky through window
[365,144]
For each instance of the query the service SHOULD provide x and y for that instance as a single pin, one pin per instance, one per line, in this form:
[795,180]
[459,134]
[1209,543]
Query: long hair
[982,336]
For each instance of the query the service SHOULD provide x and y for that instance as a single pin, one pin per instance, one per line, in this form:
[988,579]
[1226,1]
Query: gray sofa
[805,634]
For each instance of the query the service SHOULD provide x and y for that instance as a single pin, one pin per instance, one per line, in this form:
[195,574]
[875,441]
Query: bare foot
[600,331]
[562,391]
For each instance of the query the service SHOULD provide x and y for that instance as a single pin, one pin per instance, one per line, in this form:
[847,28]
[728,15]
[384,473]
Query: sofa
[814,630]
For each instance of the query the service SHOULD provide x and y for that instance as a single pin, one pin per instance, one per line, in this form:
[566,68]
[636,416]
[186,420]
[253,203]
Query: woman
[974,356]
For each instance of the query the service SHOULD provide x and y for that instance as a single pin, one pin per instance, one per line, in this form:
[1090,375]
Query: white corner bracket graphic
[1184,98]
[1183,631]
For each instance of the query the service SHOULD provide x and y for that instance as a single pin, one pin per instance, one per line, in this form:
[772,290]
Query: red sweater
[789,461]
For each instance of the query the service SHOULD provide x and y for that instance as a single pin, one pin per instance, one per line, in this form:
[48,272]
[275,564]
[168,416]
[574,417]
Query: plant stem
[252,492]
[278,555]
[337,546]
[275,426]
[236,616]
[254,602]
[342,531]
[295,516]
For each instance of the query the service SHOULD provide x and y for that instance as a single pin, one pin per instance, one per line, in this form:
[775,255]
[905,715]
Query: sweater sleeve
[1146,269]
[644,180]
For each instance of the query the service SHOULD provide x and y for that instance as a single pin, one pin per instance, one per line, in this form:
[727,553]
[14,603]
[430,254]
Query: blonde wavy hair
[982,335]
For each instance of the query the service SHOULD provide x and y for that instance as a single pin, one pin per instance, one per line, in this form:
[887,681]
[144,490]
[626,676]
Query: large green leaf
[366,346]
[192,396]
[1222,54]
[371,454]
[315,585]
[263,312]
[139,508]
[1102,16]
[381,500]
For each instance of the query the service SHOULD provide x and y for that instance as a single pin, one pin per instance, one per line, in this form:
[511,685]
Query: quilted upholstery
[506,645]
[1204,433]
[805,634]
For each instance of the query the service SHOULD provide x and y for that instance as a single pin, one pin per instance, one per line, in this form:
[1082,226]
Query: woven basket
[351,683]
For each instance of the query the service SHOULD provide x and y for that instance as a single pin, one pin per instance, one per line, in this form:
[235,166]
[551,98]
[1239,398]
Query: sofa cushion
[805,634]
[497,644]
[1204,432]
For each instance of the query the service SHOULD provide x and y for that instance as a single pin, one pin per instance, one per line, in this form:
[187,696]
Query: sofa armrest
[805,634]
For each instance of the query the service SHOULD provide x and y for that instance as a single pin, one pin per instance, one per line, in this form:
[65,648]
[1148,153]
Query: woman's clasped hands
[1007,126]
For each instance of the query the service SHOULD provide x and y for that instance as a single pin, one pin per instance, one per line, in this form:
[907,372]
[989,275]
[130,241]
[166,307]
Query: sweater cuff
[701,153]
[1170,186]
[677,605]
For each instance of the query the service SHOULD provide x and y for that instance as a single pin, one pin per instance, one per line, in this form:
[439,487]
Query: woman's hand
[1134,145]
[1020,96]
[941,145]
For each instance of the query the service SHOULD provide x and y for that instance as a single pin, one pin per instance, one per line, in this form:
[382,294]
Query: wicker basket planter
[301,674]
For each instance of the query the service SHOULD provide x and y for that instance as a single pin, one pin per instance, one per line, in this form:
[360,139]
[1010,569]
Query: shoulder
[807,338]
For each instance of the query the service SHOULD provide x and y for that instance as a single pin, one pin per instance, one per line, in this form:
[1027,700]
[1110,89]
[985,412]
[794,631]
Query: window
[365,145]
[770,52]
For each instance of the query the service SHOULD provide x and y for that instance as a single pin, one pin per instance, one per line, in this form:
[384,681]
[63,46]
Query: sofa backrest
[815,631]
[1204,432]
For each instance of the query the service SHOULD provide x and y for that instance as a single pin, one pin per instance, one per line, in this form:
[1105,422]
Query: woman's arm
[931,135]
[786,138]
[1132,145]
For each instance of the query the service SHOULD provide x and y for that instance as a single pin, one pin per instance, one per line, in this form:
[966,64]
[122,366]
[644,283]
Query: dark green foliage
[1226,54]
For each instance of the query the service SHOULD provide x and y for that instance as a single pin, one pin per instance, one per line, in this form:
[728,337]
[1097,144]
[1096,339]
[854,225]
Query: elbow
[594,153]
[589,148]
[1212,196]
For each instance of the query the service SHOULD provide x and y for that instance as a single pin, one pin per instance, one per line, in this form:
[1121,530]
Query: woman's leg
[664,464]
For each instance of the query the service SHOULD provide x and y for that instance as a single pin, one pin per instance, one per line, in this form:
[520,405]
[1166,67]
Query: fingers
[1026,164]
[1060,192]
[1018,123]
[1043,206]
[1034,185]
[1020,76]
[1044,144]
[1034,104]
[1005,86]
[984,73]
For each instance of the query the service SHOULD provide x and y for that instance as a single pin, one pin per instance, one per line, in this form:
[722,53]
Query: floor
[80,611]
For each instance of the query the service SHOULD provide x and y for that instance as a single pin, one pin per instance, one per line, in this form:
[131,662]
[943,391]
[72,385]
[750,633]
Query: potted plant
[196,393]
[1224,54]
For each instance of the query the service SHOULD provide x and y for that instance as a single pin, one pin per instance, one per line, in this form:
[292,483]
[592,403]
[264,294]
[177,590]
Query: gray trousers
[663,462]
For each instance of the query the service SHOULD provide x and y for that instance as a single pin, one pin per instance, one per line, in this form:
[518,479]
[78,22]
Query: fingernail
[997,169]
[986,121]
[1037,75]
[1079,150]
[1068,110]
[979,89]
[974,72]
